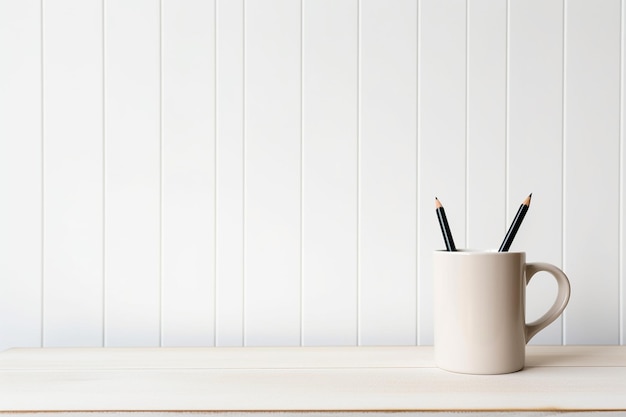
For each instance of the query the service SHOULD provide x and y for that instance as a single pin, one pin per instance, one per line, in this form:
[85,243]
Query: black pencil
[445,228]
[517,221]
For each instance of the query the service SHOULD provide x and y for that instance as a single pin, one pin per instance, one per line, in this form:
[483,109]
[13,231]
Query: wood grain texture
[323,413]
[340,390]
[306,379]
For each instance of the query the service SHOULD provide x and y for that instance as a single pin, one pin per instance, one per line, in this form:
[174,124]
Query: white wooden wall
[262,172]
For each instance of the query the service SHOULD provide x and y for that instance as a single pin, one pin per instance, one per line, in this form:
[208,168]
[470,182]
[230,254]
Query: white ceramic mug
[480,303]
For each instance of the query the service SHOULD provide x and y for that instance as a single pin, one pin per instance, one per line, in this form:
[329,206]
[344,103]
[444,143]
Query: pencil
[445,228]
[517,221]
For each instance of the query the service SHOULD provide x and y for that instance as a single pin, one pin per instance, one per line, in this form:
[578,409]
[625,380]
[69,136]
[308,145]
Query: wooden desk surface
[303,379]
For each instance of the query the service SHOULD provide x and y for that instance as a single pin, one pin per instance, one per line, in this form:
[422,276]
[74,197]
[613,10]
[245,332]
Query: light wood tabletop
[303,379]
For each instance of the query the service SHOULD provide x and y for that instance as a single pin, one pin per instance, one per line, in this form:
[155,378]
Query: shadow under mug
[479,310]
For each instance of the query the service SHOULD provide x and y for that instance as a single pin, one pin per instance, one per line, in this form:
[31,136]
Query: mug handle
[561,299]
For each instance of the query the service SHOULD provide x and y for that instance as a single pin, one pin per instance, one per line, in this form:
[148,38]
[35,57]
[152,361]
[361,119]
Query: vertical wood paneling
[72,170]
[247,172]
[622,242]
[442,146]
[591,200]
[229,232]
[188,115]
[486,122]
[132,173]
[329,178]
[387,172]
[272,172]
[20,174]
[535,144]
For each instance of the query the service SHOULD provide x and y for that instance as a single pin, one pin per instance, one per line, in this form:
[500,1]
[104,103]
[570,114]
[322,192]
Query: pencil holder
[479,310]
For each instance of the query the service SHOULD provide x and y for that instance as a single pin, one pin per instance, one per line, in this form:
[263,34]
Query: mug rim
[470,251]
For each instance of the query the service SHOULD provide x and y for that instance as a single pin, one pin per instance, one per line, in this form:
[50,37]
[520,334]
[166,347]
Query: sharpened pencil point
[445,228]
[517,221]
[526,201]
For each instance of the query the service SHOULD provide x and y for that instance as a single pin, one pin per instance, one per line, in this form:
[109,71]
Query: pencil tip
[527,200]
[437,203]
